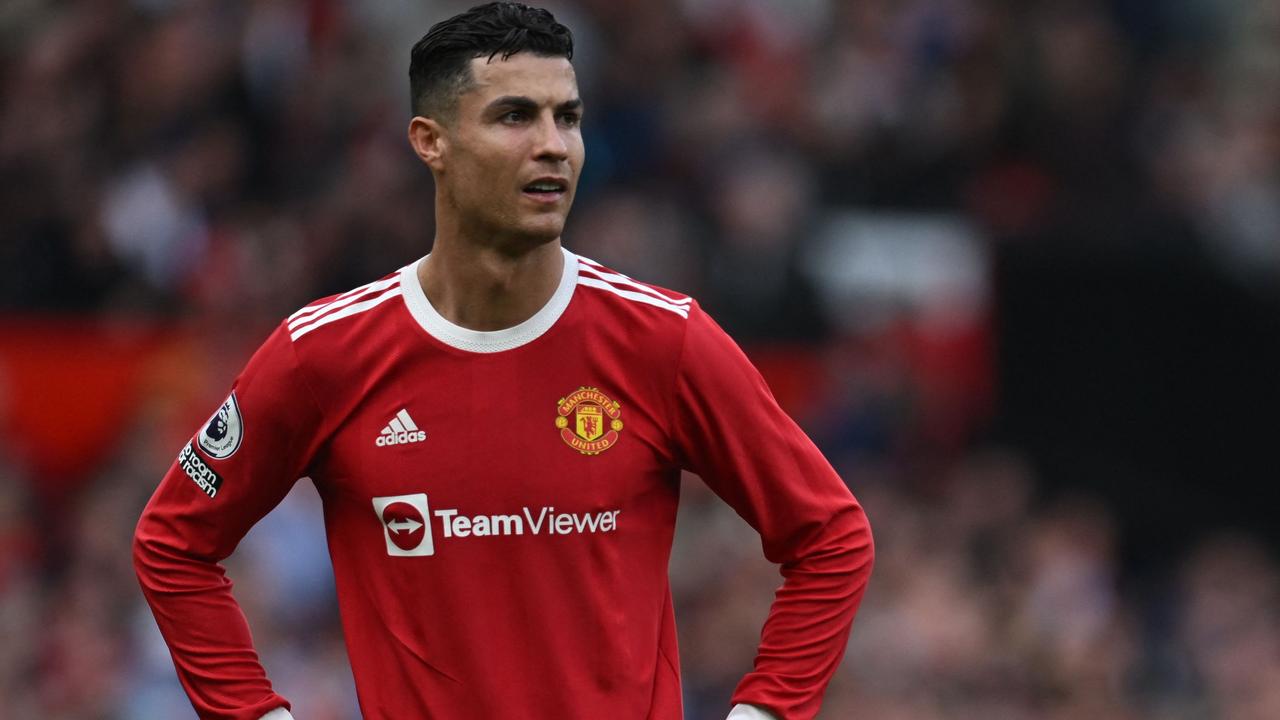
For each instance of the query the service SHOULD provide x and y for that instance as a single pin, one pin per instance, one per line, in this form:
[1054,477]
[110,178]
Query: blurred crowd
[213,165]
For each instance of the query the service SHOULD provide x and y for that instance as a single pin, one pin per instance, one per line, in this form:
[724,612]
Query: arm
[223,482]
[732,433]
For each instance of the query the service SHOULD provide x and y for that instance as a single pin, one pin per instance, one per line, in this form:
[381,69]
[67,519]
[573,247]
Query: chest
[568,426]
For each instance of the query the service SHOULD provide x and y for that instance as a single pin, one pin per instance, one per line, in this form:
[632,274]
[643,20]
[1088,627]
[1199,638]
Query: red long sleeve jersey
[499,506]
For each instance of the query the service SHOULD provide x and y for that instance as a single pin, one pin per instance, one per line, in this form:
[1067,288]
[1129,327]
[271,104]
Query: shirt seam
[307,387]
[672,431]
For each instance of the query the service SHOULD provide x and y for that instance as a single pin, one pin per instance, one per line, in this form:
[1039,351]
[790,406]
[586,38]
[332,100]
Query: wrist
[742,711]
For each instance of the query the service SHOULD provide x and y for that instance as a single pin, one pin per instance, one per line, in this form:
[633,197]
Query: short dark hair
[440,63]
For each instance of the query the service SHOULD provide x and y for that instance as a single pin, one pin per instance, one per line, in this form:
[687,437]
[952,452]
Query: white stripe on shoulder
[620,279]
[681,310]
[345,312]
[311,312]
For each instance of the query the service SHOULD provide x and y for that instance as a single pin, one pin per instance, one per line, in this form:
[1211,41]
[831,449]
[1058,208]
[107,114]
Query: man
[497,432]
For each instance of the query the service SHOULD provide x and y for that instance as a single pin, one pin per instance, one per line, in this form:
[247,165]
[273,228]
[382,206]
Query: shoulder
[335,320]
[615,292]
[655,322]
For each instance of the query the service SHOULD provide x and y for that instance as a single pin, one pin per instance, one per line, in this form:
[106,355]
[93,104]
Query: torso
[500,506]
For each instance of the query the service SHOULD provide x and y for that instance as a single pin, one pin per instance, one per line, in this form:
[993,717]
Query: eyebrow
[519,102]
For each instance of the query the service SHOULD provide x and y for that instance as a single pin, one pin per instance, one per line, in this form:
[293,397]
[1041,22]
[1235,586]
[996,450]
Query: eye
[571,119]
[514,116]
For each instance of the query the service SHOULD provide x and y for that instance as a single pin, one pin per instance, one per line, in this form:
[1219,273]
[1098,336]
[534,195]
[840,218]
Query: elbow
[842,548]
[851,547]
[864,540]
[852,556]
[158,560]
[857,544]
[168,560]
[145,552]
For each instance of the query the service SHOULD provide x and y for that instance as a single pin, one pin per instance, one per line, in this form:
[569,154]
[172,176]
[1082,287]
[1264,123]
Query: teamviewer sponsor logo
[405,524]
[543,521]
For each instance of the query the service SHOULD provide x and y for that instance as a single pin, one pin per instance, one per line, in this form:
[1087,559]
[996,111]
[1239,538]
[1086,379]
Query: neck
[481,287]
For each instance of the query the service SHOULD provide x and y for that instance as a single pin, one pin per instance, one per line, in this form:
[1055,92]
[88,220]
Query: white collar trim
[491,341]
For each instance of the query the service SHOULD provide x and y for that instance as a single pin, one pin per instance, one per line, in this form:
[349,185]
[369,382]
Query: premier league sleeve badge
[221,436]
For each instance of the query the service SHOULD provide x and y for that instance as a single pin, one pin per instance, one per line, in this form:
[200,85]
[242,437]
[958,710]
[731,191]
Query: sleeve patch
[200,473]
[221,436]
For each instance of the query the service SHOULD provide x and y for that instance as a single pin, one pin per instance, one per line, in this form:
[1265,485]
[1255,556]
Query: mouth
[546,190]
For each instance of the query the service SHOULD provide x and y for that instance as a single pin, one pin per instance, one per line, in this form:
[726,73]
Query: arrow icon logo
[408,524]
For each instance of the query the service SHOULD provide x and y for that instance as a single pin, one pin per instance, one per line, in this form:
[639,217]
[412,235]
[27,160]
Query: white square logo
[406,524]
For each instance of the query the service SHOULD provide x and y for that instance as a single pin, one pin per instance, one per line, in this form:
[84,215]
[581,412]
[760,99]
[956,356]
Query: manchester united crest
[588,420]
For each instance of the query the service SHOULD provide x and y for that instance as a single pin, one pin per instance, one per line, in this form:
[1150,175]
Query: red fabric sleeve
[731,432]
[211,496]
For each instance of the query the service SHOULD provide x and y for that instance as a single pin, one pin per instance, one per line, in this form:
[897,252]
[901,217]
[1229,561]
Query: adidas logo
[400,431]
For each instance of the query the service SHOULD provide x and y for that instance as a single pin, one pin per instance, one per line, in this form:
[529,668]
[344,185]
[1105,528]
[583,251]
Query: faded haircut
[440,63]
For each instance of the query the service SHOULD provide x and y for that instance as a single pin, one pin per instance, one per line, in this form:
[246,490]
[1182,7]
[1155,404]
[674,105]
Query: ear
[427,138]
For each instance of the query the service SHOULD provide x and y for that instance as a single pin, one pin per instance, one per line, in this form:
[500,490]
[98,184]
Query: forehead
[549,80]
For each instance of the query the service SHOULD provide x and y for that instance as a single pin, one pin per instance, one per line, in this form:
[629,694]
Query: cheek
[477,177]
[481,188]
[577,153]
[492,173]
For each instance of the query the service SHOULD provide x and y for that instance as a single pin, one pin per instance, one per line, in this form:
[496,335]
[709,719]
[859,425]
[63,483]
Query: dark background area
[1149,380]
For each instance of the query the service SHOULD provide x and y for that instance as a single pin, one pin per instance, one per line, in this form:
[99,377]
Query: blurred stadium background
[1014,265]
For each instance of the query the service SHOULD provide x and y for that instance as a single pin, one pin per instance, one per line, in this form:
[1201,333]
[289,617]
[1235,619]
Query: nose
[550,143]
